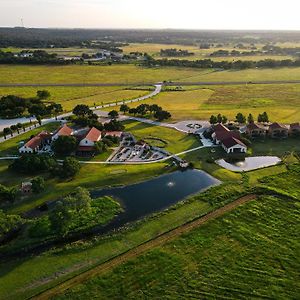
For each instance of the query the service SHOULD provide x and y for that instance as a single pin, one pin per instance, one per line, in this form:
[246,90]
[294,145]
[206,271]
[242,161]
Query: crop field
[154,50]
[14,74]
[282,101]
[247,253]
[69,97]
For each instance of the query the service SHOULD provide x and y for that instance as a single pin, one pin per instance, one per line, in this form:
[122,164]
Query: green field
[248,253]
[69,97]
[281,101]
[133,74]
[154,50]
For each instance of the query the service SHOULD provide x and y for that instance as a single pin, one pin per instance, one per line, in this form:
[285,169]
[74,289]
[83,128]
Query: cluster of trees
[32,164]
[156,111]
[173,52]
[68,209]
[84,116]
[240,118]
[12,106]
[218,119]
[7,194]
[35,57]
[227,65]
[8,223]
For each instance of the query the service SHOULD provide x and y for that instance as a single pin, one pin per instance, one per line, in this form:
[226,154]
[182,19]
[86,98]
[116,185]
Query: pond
[250,163]
[145,198]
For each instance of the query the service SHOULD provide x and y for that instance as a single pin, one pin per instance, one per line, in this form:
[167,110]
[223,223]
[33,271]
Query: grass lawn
[69,97]
[248,253]
[175,141]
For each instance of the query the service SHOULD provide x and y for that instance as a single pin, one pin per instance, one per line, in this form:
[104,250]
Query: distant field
[154,50]
[282,102]
[14,74]
[69,97]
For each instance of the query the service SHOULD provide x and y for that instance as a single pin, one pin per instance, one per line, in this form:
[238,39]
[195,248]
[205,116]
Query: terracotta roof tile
[93,135]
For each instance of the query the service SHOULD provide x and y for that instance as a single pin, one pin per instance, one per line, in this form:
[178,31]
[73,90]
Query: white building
[93,136]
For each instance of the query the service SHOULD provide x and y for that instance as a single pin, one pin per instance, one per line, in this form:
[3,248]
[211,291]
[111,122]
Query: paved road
[6,123]
[171,83]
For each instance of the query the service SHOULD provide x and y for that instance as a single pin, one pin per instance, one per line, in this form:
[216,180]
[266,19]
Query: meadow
[281,101]
[69,97]
[154,50]
[247,253]
[132,74]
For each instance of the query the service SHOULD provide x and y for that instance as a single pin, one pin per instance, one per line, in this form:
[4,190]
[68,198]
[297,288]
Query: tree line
[226,65]
[240,118]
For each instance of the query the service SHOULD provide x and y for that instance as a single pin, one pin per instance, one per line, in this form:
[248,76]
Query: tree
[154,108]
[64,145]
[240,118]
[219,118]
[265,117]
[7,194]
[133,111]
[124,108]
[55,109]
[162,115]
[113,114]
[60,218]
[224,119]
[82,110]
[44,94]
[250,119]
[39,119]
[8,222]
[38,184]
[114,125]
[71,167]
[213,120]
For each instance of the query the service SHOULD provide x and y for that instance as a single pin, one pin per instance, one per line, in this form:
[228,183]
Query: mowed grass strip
[247,253]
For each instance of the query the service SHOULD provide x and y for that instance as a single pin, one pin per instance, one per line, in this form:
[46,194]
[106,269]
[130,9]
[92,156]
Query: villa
[62,131]
[37,143]
[277,130]
[233,145]
[87,144]
[295,129]
[254,130]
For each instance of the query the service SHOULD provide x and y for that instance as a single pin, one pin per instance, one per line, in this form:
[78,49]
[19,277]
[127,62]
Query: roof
[93,135]
[34,142]
[252,126]
[222,135]
[276,126]
[295,126]
[231,141]
[114,133]
[221,128]
[64,130]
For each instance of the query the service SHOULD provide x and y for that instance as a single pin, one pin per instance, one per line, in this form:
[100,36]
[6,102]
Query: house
[277,130]
[295,129]
[221,133]
[233,145]
[36,143]
[62,131]
[26,187]
[92,136]
[87,144]
[254,130]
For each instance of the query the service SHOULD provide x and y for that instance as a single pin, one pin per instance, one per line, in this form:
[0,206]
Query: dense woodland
[44,38]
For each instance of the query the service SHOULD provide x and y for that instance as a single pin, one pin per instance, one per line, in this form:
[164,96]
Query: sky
[177,14]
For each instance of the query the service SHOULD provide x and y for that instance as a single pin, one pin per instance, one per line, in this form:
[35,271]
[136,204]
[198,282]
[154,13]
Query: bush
[64,145]
[70,168]
[38,184]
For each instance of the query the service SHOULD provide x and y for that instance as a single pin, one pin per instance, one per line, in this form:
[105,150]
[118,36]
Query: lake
[145,198]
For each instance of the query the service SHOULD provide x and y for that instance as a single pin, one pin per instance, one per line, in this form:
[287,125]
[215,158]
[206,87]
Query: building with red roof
[234,145]
[277,130]
[255,130]
[295,129]
[36,143]
[65,130]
